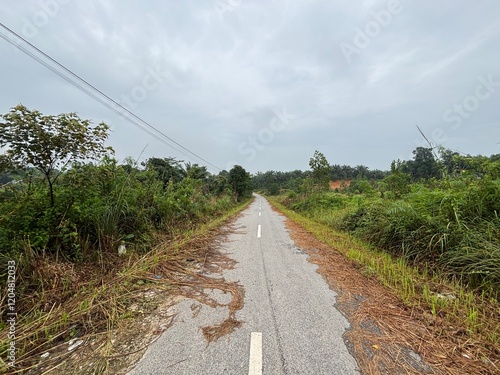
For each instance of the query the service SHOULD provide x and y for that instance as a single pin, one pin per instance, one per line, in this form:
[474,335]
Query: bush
[360,186]
[319,201]
[453,225]
[98,206]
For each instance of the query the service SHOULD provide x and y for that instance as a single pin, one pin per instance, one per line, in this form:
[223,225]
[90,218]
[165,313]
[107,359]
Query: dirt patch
[386,337]
[339,184]
[193,270]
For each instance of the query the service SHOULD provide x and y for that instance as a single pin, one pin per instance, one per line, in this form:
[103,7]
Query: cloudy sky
[264,84]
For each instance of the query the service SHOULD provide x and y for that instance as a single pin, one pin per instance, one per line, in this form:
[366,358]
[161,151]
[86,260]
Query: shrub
[450,225]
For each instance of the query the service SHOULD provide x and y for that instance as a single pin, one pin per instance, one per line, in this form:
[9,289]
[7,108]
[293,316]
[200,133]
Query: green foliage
[451,226]
[445,222]
[476,262]
[320,170]
[241,182]
[273,189]
[307,186]
[346,172]
[423,165]
[283,180]
[66,247]
[48,143]
[457,165]
[167,169]
[422,289]
[361,186]
[97,206]
[397,183]
[196,172]
[301,181]
[318,202]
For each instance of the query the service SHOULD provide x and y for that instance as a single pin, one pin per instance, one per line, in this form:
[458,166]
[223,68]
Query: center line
[259,230]
[260,213]
[255,361]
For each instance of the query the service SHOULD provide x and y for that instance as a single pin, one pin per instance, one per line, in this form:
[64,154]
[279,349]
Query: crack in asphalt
[273,314]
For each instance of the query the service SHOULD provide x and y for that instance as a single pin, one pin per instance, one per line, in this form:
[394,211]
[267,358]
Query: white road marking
[255,361]
[260,213]
[259,231]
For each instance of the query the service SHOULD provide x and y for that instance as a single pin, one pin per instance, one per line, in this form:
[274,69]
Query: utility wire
[89,93]
[135,120]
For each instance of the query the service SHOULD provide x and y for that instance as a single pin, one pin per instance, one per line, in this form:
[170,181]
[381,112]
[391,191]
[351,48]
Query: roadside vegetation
[429,229]
[68,208]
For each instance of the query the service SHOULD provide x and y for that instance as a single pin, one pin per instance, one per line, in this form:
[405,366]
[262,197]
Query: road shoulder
[384,337]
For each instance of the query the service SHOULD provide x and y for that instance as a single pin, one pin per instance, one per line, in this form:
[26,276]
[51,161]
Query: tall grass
[435,295]
[70,280]
[451,227]
[60,300]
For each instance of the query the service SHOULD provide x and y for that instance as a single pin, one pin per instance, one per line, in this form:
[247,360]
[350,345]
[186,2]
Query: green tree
[49,143]
[197,172]
[167,169]
[241,182]
[320,170]
[361,186]
[423,165]
[398,182]
[219,184]
[274,189]
[306,187]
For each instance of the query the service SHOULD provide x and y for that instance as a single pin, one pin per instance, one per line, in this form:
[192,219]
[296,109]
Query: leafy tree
[167,169]
[346,172]
[271,180]
[240,181]
[423,165]
[320,170]
[273,189]
[493,169]
[218,184]
[448,159]
[306,187]
[398,182]
[197,172]
[362,171]
[361,186]
[49,143]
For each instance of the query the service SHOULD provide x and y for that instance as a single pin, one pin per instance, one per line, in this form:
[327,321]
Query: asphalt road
[290,324]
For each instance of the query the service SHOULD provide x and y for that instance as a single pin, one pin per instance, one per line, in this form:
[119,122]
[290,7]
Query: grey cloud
[222,77]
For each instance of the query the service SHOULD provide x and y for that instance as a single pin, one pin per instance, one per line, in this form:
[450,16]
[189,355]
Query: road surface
[290,325]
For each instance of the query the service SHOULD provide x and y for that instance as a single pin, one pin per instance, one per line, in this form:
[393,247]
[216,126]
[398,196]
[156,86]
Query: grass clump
[467,316]
[65,302]
[448,227]
[70,281]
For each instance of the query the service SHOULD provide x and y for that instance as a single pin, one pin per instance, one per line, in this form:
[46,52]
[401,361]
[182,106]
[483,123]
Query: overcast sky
[264,84]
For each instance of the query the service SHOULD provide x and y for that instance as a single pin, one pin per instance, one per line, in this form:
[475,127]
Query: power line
[135,120]
[74,83]
[113,108]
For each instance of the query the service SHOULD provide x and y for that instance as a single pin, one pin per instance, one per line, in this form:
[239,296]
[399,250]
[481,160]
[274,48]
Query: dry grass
[101,306]
[193,282]
[386,334]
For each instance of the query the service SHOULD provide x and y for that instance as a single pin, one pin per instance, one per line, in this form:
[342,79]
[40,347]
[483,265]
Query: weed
[417,287]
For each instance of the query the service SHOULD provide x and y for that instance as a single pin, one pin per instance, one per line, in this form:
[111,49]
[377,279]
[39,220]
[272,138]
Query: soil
[197,270]
[339,184]
[386,336]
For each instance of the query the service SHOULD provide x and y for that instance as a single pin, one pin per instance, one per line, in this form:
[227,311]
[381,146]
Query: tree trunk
[51,190]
